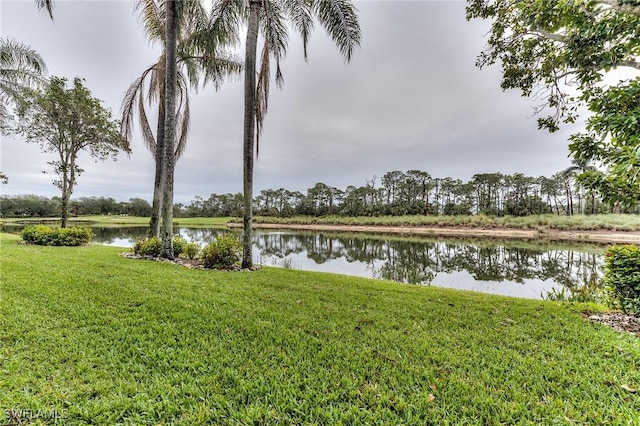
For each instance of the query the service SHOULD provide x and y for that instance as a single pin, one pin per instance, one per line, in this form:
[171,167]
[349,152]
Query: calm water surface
[515,268]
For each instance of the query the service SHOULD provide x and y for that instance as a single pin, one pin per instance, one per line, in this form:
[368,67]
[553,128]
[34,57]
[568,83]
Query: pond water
[514,268]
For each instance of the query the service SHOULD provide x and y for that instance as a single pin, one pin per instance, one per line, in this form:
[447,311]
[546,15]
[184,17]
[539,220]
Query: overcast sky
[411,98]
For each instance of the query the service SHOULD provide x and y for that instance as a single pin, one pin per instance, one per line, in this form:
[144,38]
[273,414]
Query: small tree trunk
[249,130]
[169,132]
[65,204]
[67,188]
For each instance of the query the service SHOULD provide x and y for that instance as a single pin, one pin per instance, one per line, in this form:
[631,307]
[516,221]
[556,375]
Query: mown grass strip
[106,340]
[612,222]
[122,221]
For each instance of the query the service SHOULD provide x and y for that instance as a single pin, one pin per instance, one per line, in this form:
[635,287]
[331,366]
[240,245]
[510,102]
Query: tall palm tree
[195,53]
[269,17]
[150,86]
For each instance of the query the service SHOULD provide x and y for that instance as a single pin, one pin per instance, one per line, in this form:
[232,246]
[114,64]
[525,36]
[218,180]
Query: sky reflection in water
[513,268]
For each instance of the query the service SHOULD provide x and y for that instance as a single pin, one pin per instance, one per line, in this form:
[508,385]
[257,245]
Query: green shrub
[178,245]
[191,250]
[181,247]
[622,277]
[72,236]
[36,234]
[47,236]
[148,247]
[223,253]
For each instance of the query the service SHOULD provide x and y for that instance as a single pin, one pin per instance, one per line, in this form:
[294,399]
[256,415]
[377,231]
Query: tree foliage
[416,192]
[39,206]
[66,121]
[569,54]
[622,277]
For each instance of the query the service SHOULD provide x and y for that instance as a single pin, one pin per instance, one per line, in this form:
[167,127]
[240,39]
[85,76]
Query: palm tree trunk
[154,223]
[169,131]
[249,129]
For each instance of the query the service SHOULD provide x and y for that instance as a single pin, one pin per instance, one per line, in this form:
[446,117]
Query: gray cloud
[410,99]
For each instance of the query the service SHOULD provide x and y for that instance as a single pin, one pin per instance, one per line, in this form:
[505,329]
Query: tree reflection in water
[572,270]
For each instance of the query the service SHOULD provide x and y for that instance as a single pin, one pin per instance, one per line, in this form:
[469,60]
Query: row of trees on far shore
[416,192]
[397,193]
[30,205]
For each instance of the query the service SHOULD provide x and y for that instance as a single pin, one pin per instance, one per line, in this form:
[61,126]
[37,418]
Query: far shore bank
[598,236]
[599,229]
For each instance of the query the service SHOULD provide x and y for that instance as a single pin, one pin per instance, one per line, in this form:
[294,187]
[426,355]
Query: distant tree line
[416,192]
[397,193]
[39,206]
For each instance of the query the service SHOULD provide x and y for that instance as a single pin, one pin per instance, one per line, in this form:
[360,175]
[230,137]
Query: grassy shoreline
[610,222]
[121,221]
[596,229]
[106,340]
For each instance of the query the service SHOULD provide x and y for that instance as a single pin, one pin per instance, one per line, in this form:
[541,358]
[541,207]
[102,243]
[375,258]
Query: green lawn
[105,340]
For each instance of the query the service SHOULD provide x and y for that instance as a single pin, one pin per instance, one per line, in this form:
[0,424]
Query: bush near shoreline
[44,235]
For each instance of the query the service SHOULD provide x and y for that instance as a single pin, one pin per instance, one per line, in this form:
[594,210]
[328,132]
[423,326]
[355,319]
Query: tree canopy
[66,121]
[569,54]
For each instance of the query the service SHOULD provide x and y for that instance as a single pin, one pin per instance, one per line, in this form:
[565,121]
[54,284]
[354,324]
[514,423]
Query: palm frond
[127,108]
[340,20]
[226,19]
[152,16]
[274,29]
[220,66]
[276,36]
[262,92]
[135,101]
[148,137]
[300,14]
[128,105]
[183,117]
[5,120]
[47,5]
[21,68]
[192,17]
[16,55]
[156,81]
[191,65]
